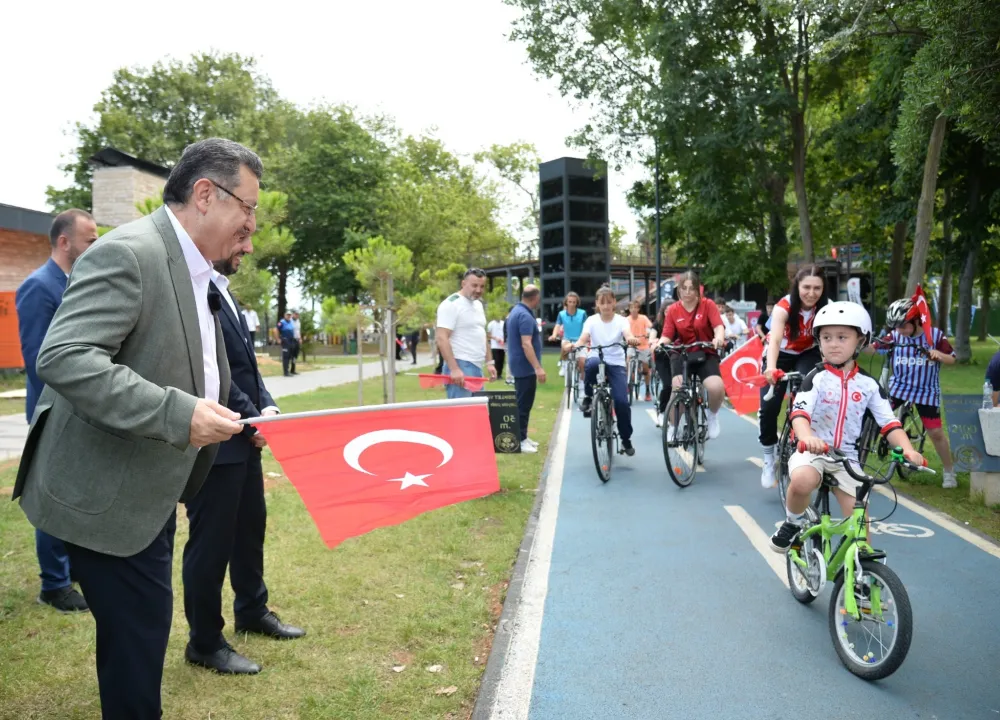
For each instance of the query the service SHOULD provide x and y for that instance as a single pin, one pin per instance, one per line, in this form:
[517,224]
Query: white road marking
[759,462]
[513,697]
[760,540]
[943,521]
[652,414]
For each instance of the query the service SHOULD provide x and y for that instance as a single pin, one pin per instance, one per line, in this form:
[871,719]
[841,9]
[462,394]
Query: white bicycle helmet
[900,312]
[849,314]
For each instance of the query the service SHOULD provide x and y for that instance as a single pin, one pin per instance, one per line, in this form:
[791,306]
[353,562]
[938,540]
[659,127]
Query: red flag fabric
[364,468]
[739,371]
[920,303]
[428,381]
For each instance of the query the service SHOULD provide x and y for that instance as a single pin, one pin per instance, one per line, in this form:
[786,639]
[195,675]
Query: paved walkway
[14,428]
[642,600]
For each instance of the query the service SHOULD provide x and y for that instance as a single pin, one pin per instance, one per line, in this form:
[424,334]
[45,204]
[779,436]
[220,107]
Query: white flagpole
[458,402]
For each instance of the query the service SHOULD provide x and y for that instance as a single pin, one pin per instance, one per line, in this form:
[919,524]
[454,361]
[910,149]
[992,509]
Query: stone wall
[116,190]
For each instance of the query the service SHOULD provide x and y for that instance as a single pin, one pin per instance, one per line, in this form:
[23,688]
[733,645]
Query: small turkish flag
[428,381]
[739,371]
[920,303]
[368,467]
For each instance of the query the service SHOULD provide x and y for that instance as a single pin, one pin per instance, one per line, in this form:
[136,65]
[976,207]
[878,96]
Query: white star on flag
[411,479]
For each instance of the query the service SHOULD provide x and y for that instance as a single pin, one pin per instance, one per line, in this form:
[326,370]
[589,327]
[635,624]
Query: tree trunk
[361,365]
[944,297]
[777,235]
[963,319]
[985,287]
[895,289]
[799,170]
[925,208]
[282,287]
[390,322]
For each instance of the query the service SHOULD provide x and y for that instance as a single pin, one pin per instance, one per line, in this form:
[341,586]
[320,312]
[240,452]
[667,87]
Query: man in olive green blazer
[137,379]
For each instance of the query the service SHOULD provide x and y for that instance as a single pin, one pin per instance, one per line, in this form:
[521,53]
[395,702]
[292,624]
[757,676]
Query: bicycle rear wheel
[601,435]
[868,440]
[874,646]
[681,453]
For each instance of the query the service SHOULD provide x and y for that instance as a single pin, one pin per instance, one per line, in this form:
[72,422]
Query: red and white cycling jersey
[835,404]
[804,340]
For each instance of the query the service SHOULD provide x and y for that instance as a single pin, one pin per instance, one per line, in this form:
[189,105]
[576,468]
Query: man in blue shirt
[36,300]
[524,357]
[286,332]
[993,375]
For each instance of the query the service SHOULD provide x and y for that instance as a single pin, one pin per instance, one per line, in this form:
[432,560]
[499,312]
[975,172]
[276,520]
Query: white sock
[769,450]
[794,518]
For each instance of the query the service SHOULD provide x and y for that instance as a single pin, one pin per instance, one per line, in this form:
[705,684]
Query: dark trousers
[53,561]
[666,378]
[287,356]
[498,358]
[413,340]
[132,603]
[770,409]
[253,338]
[524,390]
[618,379]
[227,521]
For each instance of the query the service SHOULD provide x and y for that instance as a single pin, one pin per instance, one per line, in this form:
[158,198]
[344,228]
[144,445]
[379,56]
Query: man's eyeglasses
[250,209]
[475,272]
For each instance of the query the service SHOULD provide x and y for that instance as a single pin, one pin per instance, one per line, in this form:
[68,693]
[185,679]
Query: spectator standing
[36,300]
[525,350]
[286,332]
[461,334]
[761,327]
[497,342]
[253,323]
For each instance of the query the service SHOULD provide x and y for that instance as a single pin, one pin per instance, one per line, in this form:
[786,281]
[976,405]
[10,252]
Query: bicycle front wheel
[601,435]
[680,450]
[868,440]
[874,646]
[570,381]
[784,453]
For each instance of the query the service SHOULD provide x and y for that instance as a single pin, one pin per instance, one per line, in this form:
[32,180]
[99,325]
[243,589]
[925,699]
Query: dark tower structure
[574,250]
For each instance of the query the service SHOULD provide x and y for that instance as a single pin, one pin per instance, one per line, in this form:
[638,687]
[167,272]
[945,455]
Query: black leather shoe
[65,600]
[224,661]
[271,626]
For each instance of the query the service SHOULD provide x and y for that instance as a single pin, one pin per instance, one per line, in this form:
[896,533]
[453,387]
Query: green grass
[427,592]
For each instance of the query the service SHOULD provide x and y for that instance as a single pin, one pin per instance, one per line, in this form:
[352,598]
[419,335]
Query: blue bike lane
[644,600]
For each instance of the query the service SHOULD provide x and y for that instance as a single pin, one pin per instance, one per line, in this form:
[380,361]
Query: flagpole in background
[456,402]
[361,362]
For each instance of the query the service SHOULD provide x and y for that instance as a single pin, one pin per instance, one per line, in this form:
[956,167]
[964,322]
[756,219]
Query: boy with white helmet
[829,410]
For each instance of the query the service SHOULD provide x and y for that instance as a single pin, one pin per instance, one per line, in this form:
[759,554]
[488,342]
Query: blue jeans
[53,561]
[618,379]
[470,369]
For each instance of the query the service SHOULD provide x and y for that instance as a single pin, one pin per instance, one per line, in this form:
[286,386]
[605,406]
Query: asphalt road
[644,600]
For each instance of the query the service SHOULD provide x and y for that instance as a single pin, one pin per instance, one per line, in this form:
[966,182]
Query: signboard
[966,434]
[504,420]
[752,317]
[854,290]
[10,342]
[742,305]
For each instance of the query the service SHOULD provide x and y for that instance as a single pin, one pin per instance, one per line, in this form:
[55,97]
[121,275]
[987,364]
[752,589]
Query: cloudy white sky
[429,63]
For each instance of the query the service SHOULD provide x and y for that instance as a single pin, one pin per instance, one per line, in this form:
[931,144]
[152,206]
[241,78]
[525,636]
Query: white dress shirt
[222,282]
[201,275]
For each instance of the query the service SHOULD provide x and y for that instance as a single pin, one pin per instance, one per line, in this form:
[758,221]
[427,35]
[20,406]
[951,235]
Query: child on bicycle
[569,325]
[829,411]
[609,328]
[640,326]
[916,375]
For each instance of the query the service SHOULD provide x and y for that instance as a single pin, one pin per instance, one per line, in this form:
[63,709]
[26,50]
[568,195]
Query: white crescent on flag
[353,449]
[741,362]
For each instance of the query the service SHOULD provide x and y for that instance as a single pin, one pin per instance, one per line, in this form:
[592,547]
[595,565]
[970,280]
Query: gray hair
[217,159]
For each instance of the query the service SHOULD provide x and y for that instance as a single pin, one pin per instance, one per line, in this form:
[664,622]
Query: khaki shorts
[824,466]
[643,355]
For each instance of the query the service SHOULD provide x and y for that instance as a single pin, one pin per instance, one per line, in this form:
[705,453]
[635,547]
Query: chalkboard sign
[966,434]
[504,420]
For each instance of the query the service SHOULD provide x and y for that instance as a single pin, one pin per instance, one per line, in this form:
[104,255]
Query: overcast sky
[427,63]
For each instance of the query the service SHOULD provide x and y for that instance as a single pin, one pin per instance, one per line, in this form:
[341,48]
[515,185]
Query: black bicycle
[871,441]
[786,441]
[572,379]
[685,424]
[603,428]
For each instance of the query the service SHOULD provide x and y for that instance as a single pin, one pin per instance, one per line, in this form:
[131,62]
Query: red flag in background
[739,373]
[428,381]
[920,304]
[363,468]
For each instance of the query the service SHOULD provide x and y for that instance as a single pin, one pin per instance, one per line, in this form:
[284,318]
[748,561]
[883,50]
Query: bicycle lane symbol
[903,530]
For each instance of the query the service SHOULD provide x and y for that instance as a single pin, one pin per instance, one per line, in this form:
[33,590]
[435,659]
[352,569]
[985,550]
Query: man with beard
[72,232]
[129,422]
[228,516]
[461,334]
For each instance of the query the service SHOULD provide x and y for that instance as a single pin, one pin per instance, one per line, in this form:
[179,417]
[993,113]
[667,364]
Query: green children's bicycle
[870,620]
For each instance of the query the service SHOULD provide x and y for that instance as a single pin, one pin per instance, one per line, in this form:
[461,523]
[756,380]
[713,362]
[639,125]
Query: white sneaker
[713,424]
[527,447]
[659,420]
[532,442]
[562,369]
[949,482]
[767,479]
[671,432]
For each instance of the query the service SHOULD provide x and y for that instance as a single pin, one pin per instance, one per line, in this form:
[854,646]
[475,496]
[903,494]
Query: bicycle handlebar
[781,376]
[700,345]
[897,459]
[887,343]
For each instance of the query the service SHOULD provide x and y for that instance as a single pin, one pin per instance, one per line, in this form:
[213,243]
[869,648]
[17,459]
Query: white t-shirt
[467,322]
[253,322]
[607,333]
[495,329]
[737,328]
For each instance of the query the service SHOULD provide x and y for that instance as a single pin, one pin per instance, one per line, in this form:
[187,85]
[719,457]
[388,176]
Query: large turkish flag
[920,301]
[736,370]
[363,468]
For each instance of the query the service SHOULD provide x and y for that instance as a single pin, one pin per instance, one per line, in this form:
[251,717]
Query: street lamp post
[656,191]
